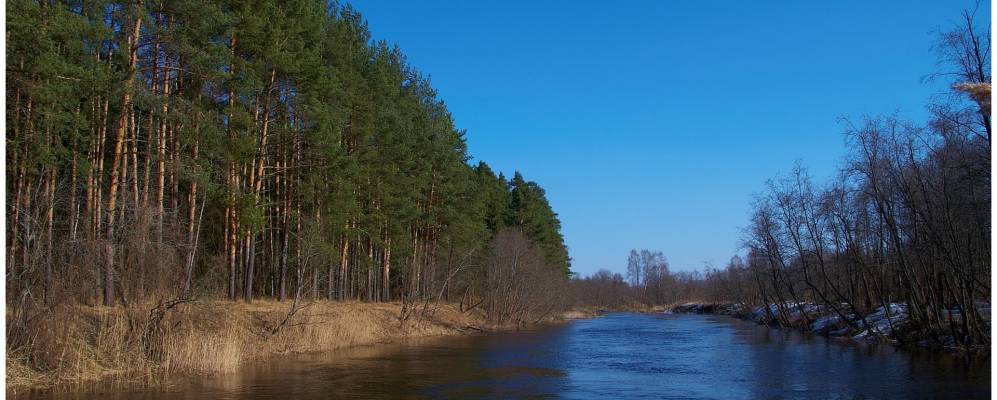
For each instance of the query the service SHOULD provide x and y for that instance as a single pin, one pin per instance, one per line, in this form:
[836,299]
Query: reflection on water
[617,356]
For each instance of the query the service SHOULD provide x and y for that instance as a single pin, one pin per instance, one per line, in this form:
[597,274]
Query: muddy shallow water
[657,356]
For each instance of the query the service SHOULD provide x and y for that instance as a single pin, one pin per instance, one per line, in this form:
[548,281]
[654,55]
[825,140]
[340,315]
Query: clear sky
[651,123]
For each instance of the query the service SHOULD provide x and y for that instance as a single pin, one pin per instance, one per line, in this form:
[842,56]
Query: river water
[653,356]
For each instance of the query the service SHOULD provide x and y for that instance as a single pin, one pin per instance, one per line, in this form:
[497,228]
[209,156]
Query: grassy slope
[80,344]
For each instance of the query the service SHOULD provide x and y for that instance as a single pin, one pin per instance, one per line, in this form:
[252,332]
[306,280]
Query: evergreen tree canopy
[240,148]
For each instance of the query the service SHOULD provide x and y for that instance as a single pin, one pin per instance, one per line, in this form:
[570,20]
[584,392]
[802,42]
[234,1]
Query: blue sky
[651,123]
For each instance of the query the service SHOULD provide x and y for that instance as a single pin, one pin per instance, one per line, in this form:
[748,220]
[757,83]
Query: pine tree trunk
[231,226]
[99,175]
[12,206]
[344,251]
[386,279]
[22,192]
[250,257]
[161,155]
[191,210]
[122,125]
[174,157]
[370,268]
[74,214]
[49,219]
[149,124]
[286,241]
[134,162]
[124,168]
[256,181]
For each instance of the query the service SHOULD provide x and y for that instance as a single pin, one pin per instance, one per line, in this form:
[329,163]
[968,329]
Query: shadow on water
[616,356]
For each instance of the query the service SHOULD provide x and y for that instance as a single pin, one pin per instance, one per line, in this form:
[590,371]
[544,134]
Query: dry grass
[581,313]
[80,344]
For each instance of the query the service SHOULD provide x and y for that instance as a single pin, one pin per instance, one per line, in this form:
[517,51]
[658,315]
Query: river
[655,356]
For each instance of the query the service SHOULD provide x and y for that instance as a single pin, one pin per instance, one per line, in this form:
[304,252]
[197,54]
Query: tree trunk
[122,125]
[191,234]
[386,279]
[344,251]
[161,155]
[231,225]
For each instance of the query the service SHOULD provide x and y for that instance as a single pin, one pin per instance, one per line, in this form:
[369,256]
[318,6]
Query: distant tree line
[648,282]
[237,149]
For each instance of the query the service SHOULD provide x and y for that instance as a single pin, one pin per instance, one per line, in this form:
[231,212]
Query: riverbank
[146,343]
[889,325]
[586,312]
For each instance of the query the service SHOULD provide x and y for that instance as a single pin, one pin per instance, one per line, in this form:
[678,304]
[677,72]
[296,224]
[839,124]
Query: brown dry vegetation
[80,344]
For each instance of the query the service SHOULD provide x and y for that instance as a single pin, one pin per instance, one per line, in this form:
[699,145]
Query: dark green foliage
[531,212]
[315,153]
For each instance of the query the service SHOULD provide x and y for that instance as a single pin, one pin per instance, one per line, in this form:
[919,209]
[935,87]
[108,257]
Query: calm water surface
[617,356]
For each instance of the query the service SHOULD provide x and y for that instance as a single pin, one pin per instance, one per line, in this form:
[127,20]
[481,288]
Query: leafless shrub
[519,287]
